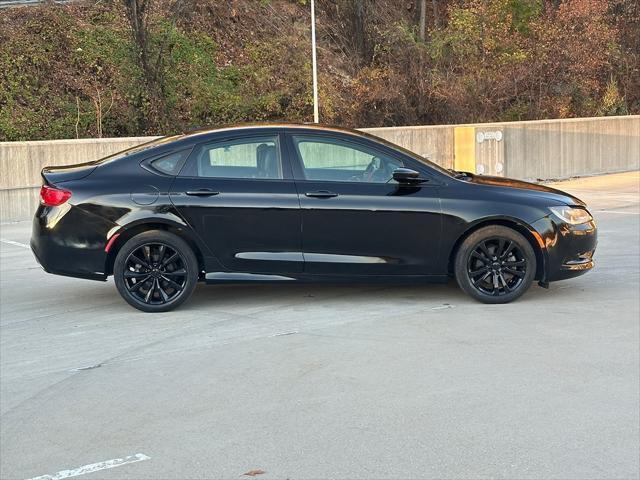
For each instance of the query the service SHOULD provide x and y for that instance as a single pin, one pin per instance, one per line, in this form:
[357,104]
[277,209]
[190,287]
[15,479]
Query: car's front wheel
[155,271]
[495,264]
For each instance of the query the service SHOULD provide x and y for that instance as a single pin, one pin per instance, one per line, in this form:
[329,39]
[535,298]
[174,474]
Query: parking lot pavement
[309,381]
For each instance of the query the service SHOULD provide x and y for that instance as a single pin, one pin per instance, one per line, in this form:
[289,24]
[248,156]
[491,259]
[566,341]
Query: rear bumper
[569,249]
[65,244]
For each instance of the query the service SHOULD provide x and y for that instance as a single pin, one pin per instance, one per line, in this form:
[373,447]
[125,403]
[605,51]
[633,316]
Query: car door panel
[370,229]
[362,228]
[250,224]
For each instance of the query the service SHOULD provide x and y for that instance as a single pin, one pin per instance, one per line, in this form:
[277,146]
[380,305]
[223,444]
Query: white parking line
[17,244]
[94,467]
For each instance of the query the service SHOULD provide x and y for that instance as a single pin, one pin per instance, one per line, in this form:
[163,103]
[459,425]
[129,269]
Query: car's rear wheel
[155,271]
[495,264]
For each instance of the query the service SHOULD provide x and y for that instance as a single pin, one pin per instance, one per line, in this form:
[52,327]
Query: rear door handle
[203,192]
[321,194]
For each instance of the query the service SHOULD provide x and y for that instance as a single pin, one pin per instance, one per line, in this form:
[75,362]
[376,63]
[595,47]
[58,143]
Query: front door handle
[203,192]
[321,194]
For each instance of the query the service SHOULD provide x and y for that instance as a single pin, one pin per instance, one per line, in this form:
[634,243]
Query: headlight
[572,215]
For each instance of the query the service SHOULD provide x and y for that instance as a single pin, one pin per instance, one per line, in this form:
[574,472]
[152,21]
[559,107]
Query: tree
[152,50]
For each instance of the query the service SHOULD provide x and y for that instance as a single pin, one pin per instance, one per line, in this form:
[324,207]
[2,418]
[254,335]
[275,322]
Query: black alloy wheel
[495,264]
[155,271]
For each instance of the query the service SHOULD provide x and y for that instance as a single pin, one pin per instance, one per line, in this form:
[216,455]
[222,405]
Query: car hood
[535,189]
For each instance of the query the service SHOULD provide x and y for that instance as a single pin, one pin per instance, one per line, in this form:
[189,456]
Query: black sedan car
[285,203]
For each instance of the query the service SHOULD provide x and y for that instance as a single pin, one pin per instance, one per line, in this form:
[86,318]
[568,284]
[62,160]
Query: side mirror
[407,175]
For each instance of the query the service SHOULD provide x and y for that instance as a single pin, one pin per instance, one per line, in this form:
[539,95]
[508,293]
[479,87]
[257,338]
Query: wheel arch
[129,231]
[526,230]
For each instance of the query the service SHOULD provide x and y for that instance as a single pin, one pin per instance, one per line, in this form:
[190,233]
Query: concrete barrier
[535,150]
[559,149]
[21,163]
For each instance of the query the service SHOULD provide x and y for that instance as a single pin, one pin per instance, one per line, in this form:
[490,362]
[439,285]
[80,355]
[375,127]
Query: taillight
[52,197]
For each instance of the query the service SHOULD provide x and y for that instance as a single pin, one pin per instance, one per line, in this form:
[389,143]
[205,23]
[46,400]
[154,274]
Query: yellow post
[464,149]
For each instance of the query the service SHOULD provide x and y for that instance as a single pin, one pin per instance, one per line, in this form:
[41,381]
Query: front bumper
[568,249]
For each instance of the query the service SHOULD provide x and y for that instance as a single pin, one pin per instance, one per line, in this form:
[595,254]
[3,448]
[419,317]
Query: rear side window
[249,157]
[169,164]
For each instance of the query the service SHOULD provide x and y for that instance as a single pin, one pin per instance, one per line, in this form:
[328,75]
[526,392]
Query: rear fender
[122,232]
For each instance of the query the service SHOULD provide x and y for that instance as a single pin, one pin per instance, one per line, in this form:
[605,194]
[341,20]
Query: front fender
[531,233]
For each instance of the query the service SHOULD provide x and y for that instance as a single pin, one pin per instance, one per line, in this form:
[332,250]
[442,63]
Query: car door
[239,196]
[356,219]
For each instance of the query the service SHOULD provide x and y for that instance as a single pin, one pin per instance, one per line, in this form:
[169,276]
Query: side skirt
[239,277]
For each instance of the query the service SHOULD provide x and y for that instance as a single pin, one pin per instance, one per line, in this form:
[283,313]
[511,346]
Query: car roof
[191,136]
[276,125]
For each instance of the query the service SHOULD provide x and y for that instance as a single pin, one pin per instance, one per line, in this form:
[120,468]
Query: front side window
[254,157]
[337,160]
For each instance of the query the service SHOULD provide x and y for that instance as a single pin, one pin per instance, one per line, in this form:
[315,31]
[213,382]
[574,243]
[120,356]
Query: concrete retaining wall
[434,142]
[557,149]
[537,150]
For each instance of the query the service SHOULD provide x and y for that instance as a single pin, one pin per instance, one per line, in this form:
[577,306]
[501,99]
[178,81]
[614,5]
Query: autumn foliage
[83,69]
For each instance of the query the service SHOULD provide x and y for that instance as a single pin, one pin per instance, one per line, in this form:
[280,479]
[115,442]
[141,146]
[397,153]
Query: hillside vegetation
[138,67]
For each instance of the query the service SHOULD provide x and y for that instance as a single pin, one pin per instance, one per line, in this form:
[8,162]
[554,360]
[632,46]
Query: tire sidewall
[467,247]
[172,241]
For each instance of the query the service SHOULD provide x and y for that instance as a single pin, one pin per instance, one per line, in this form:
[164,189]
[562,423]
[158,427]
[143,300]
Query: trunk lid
[57,175]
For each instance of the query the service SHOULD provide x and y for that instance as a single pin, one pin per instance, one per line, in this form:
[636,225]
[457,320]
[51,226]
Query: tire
[495,264]
[155,271]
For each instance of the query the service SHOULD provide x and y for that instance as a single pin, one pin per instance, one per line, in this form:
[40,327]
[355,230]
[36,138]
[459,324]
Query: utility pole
[423,20]
[316,114]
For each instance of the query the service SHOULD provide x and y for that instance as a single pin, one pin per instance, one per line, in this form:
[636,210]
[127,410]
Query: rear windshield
[137,149]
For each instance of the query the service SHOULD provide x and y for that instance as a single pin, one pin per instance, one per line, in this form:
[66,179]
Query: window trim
[276,134]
